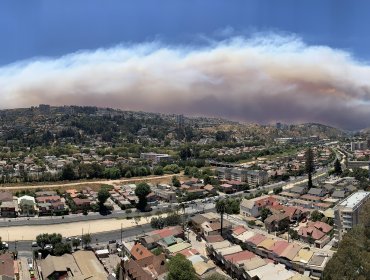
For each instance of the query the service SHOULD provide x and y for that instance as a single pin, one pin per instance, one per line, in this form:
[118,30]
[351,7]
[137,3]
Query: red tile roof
[256,239]
[139,252]
[239,230]
[214,238]
[324,227]
[279,247]
[311,231]
[240,256]
[189,252]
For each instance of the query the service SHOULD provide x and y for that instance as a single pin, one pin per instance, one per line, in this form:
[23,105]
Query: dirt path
[99,182]
[67,229]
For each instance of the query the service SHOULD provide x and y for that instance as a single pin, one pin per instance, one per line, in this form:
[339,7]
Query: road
[102,237]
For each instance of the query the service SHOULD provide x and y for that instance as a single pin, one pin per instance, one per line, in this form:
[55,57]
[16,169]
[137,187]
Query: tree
[142,190]
[220,208]
[265,212]
[171,169]
[158,170]
[278,190]
[68,172]
[76,242]
[176,182]
[157,223]
[86,239]
[309,167]
[172,220]
[103,195]
[351,261]
[337,167]
[180,268]
[316,216]
[62,248]
[293,234]
[46,238]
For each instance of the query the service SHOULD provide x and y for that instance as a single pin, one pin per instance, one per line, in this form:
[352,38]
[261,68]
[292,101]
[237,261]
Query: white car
[5,245]
[30,264]
[48,247]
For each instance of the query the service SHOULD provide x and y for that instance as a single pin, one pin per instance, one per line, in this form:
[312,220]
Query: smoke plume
[262,79]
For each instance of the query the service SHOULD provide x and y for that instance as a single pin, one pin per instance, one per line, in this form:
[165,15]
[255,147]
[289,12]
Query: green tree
[337,167]
[316,216]
[293,234]
[61,249]
[265,212]
[142,190]
[309,167]
[180,268]
[158,170]
[220,208]
[86,239]
[103,195]
[176,182]
[171,169]
[278,190]
[76,242]
[68,172]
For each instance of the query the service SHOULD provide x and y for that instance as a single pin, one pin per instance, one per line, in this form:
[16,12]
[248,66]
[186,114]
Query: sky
[252,61]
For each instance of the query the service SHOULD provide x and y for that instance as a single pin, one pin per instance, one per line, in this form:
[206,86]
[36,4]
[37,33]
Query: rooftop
[354,199]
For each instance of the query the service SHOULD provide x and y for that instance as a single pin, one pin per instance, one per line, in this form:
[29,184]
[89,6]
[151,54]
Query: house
[252,207]
[82,202]
[210,189]
[8,267]
[27,205]
[9,209]
[45,193]
[227,188]
[339,194]
[277,222]
[6,196]
[317,192]
[165,194]
[48,199]
[298,190]
[79,265]
[315,232]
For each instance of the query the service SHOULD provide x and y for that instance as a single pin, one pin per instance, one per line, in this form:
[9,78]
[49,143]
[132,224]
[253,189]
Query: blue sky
[248,60]
[57,27]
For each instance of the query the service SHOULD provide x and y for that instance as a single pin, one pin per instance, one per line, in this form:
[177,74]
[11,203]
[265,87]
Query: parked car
[30,264]
[48,247]
[5,245]
[34,244]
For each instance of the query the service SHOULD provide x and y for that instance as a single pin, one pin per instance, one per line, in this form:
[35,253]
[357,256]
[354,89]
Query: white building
[155,158]
[347,212]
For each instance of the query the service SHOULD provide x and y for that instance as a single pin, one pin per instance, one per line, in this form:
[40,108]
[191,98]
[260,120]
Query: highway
[100,238]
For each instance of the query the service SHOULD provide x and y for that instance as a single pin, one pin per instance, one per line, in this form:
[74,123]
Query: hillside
[47,125]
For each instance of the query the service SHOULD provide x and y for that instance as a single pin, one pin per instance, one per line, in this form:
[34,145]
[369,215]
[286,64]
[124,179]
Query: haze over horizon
[252,70]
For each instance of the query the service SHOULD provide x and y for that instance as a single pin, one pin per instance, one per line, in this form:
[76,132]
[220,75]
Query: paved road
[102,237]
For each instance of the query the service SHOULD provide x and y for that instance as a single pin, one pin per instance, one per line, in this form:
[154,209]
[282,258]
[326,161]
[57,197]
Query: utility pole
[121,233]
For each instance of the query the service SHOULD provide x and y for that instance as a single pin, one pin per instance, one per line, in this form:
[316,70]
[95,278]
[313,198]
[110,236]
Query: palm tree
[220,208]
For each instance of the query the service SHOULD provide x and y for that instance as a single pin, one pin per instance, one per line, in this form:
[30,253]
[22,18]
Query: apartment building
[252,177]
[347,212]
[156,158]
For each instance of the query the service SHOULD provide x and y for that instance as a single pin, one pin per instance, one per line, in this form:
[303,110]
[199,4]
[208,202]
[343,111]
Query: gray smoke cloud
[262,79]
